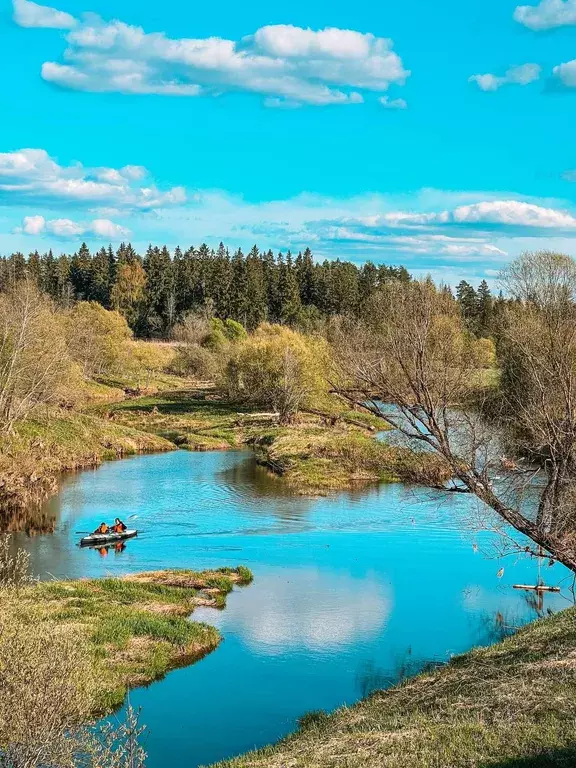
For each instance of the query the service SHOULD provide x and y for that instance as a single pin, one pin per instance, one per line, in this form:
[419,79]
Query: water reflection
[308,609]
[352,592]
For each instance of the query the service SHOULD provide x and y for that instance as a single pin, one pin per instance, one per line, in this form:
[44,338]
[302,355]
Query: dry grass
[316,455]
[512,705]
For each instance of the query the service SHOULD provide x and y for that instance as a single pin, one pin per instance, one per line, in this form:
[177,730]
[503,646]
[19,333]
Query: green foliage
[279,368]
[97,338]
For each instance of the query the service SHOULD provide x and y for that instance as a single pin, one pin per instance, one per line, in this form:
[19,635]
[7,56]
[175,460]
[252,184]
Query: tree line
[155,291]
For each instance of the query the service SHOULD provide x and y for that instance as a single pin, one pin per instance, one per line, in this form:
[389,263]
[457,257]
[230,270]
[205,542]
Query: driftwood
[334,418]
[537,588]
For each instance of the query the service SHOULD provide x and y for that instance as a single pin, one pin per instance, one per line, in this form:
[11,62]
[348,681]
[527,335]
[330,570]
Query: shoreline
[509,705]
[135,628]
[316,456]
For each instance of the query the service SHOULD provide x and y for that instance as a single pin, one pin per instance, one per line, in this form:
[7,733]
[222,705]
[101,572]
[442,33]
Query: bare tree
[33,355]
[414,354]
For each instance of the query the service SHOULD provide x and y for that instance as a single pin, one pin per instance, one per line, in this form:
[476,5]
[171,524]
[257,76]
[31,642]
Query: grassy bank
[52,442]
[195,419]
[315,455]
[512,705]
[314,459]
[136,627]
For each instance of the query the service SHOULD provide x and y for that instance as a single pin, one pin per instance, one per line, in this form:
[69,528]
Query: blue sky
[437,135]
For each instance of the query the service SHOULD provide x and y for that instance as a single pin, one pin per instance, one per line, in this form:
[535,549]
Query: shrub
[279,368]
[97,338]
[194,360]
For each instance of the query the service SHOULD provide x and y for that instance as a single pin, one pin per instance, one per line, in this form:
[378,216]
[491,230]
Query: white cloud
[389,103]
[566,73]
[547,14]
[108,229]
[32,175]
[29,14]
[522,75]
[514,213]
[282,63]
[33,225]
[67,228]
[64,228]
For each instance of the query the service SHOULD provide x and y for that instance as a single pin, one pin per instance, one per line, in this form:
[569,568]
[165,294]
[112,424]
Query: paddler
[102,529]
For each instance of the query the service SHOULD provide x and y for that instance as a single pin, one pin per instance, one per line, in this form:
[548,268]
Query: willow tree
[414,353]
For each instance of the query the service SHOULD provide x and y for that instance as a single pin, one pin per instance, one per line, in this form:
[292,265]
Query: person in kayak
[102,529]
[118,526]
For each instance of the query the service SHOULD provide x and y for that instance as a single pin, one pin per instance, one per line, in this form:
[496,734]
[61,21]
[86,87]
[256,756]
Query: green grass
[51,442]
[190,419]
[137,626]
[512,705]
[319,460]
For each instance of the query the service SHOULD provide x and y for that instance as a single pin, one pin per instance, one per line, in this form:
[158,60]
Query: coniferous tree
[485,310]
[221,278]
[80,272]
[468,301]
[155,292]
[35,268]
[255,299]
[288,292]
[101,282]
[238,308]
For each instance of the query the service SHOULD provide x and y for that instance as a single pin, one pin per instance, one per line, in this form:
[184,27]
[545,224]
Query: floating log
[537,588]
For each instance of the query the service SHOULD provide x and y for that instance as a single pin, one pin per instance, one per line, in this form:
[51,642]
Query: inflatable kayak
[99,539]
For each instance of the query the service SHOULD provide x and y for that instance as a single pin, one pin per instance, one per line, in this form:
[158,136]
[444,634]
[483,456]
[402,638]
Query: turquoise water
[351,593]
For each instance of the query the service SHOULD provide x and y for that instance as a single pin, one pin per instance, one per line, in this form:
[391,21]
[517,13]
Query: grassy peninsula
[512,705]
[315,454]
[134,628]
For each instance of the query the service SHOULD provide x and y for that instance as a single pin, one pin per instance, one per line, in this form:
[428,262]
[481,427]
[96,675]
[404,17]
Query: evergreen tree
[468,301]
[367,283]
[80,272]
[221,278]
[35,268]
[101,283]
[485,310]
[238,308]
[288,292]
[256,299]
[305,276]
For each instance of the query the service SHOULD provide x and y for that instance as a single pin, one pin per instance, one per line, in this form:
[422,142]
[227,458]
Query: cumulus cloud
[522,75]
[481,215]
[32,175]
[29,14]
[566,73]
[547,14]
[282,63]
[67,228]
[389,103]
[33,225]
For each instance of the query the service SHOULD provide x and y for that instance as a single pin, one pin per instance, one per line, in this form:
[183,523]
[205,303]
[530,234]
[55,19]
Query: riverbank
[315,455]
[55,441]
[512,705]
[136,628]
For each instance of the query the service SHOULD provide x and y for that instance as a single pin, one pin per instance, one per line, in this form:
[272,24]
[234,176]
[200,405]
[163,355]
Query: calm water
[350,594]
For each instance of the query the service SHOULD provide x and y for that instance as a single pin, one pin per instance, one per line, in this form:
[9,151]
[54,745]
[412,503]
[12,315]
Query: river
[351,593]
